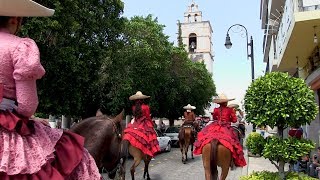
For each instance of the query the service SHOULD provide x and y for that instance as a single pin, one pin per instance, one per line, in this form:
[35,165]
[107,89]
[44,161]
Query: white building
[196,35]
[292,28]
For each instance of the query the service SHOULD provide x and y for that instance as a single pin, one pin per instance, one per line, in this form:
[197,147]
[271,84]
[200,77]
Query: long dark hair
[4,21]
[138,110]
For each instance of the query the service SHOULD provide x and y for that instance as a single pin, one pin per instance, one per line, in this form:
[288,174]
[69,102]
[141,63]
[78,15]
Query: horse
[103,140]
[138,156]
[240,132]
[215,154]
[187,137]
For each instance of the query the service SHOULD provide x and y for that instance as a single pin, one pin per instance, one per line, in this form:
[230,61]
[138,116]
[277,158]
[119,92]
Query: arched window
[189,18]
[195,17]
[192,42]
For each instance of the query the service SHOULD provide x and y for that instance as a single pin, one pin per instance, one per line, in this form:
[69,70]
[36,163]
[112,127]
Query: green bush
[266,175]
[255,143]
[289,149]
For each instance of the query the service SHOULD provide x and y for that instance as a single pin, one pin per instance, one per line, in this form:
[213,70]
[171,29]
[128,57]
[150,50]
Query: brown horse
[213,155]
[187,136]
[103,140]
[138,156]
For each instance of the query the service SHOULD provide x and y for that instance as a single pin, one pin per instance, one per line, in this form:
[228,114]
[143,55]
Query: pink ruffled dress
[30,150]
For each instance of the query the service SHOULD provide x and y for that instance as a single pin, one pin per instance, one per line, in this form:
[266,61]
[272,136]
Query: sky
[231,67]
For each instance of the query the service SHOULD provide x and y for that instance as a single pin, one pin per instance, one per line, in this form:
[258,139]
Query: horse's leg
[181,144]
[192,150]
[206,153]
[137,157]
[224,162]
[188,134]
[147,160]
[186,150]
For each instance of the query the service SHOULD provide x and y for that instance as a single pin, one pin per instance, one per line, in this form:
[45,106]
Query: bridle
[117,131]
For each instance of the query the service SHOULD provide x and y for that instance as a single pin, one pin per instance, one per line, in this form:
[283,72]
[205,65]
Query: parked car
[164,141]
[173,133]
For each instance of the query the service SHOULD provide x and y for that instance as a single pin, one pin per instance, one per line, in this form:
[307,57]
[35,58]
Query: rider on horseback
[30,149]
[190,117]
[240,124]
[222,131]
[140,132]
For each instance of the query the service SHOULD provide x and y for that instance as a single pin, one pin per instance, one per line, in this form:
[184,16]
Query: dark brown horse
[187,136]
[213,155]
[240,132]
[103,140]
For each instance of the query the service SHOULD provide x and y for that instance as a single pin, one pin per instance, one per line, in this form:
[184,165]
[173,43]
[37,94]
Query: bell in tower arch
[192,42]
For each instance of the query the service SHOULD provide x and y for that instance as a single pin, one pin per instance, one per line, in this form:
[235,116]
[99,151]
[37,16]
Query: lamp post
[228,45]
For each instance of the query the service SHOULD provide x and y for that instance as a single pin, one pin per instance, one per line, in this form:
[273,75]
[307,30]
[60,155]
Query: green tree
[278,99]
[148,62]
[190,83]
[73,45]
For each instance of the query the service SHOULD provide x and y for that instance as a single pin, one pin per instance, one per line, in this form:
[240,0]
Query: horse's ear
[99,113]
[120,116]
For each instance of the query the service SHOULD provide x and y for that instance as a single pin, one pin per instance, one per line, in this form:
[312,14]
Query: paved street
[168,166]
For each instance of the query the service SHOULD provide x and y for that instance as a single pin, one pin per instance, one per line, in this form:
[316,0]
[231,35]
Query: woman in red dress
[221,130]
[140,132]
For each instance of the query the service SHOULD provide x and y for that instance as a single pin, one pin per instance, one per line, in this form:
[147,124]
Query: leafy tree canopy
[73,44]
[278,99]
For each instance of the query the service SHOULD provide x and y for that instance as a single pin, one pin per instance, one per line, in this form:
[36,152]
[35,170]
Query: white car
[164,141]
[173,133]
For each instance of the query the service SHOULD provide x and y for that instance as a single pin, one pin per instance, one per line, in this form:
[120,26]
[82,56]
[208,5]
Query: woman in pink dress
[221,130]
[30,150]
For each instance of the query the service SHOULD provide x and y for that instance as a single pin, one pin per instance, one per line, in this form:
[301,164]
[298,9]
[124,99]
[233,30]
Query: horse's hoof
[192,157]
[184,162]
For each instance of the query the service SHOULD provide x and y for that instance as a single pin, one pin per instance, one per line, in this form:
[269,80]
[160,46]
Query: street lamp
[228,45]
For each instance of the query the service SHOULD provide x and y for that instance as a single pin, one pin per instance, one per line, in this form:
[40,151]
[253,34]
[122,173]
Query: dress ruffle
[226,136]
[44,154]
[141,135]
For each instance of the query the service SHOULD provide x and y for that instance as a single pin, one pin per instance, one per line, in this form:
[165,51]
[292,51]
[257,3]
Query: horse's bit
[118,133]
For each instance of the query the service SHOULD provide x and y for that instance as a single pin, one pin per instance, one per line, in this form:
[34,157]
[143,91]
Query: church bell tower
[196,35]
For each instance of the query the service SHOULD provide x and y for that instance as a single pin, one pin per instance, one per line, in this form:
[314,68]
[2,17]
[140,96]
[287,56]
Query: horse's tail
[213,159]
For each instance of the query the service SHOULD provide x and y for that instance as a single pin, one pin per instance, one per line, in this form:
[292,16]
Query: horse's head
[103,136]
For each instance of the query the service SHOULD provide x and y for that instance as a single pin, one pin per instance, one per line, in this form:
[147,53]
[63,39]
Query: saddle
[240,130]
[190,124]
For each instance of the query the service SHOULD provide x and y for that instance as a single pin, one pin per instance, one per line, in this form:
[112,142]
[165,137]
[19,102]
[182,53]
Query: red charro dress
[221,130]
[141,133]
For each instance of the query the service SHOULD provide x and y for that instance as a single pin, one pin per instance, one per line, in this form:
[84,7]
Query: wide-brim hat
[23,8]
[222,98]
[189,107]
[138,95]
[233,106]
